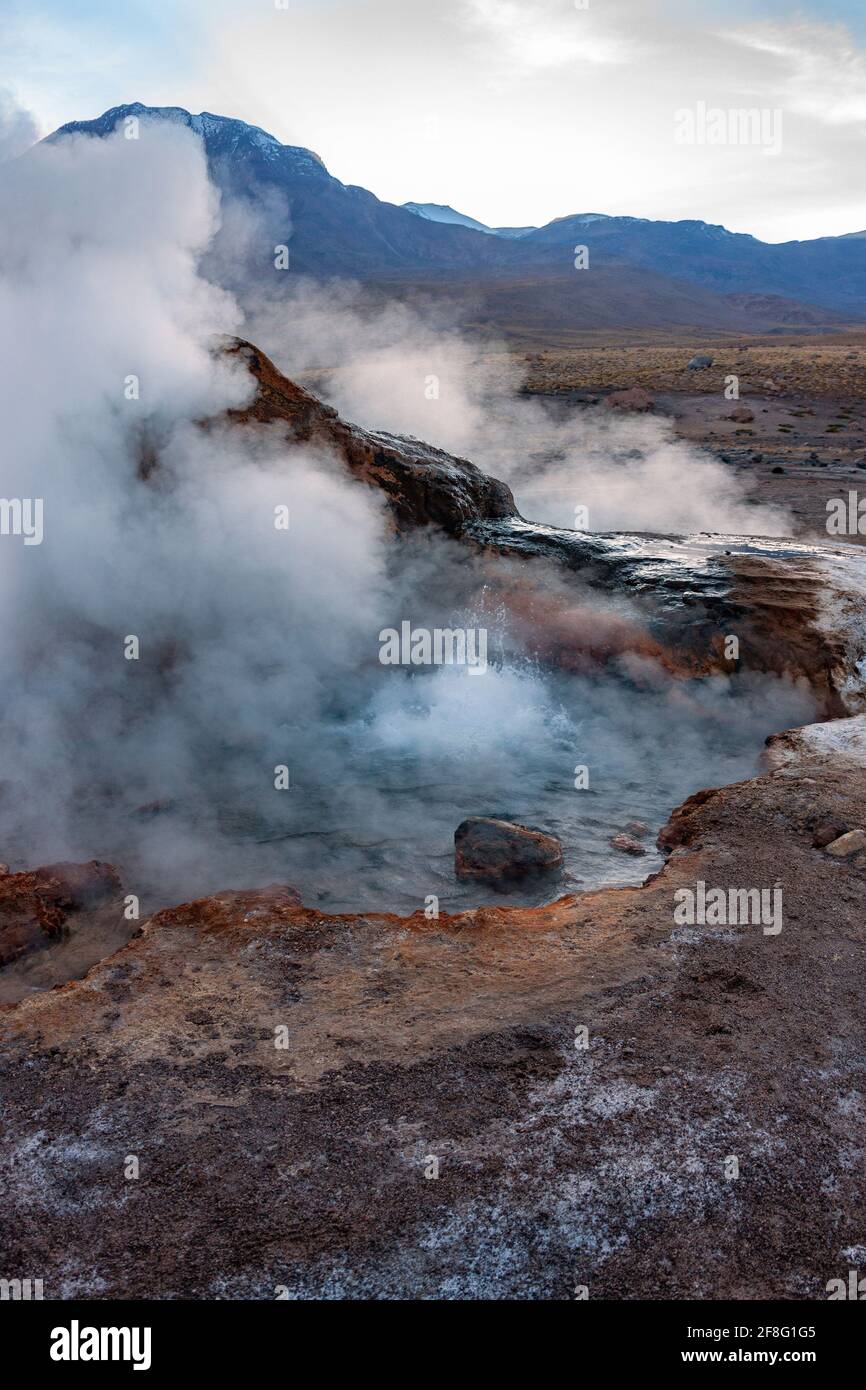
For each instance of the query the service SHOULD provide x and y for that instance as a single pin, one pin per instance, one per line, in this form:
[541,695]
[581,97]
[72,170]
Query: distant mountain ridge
[340,229]
[441,212]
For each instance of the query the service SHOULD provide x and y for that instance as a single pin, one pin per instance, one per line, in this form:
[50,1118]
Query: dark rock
[422,485]
[826,833]
[637,828]
[627,845]
[698,362]
[497,851]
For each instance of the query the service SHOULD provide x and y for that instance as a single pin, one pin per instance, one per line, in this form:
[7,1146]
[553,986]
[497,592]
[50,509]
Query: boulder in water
[627,844]
[498,851]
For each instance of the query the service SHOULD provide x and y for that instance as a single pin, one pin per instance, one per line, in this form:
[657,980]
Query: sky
[513,111]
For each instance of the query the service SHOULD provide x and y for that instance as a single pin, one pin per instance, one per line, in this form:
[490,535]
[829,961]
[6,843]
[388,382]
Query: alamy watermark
[854,1289]
[846,516]
[712,125]
[77,1343]
[720,907]
[22,516]
[21,1290]
[438,646]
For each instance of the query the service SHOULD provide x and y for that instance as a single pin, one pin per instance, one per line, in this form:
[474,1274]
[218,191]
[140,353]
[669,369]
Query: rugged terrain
[805,442]
[252,1099]
[289,1083]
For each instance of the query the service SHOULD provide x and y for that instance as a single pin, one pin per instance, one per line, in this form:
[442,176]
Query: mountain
[642,272]
[513,231]
[336,228]
[829,271]
[441,212]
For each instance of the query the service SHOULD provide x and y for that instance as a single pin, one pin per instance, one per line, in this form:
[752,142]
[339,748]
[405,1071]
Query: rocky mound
[791,605]
[423,485]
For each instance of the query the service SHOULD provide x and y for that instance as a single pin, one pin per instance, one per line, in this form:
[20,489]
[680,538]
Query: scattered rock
[626,844]
[496,851]
[825,833]
[849,843]
[742,415]
[635,398]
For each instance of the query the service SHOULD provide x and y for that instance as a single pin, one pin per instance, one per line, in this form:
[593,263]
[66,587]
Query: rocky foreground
[252,1099]
[504,1103]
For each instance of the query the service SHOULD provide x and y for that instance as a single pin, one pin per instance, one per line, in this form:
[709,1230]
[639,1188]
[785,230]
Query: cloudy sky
[515,111]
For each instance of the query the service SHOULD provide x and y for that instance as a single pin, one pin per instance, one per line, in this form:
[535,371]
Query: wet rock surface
[499,852]
[627,844]
[784,599]
[797,609]
[421,484]
[302,1165]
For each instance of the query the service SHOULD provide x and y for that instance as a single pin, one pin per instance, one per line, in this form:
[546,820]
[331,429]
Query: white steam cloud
[411,370]
[18,130]
[258,646]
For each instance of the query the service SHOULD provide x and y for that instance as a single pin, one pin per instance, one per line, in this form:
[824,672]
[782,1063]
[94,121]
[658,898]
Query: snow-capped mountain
[341,229]
[441,212]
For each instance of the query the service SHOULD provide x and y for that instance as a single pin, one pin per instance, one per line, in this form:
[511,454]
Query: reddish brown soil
[304,1167]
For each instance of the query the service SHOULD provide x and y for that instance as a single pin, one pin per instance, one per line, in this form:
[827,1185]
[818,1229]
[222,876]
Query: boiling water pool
[368,820]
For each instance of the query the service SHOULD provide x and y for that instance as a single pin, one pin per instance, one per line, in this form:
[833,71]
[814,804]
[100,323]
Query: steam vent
[433,777]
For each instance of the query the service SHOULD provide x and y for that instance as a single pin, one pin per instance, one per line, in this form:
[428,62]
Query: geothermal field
[433,734]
